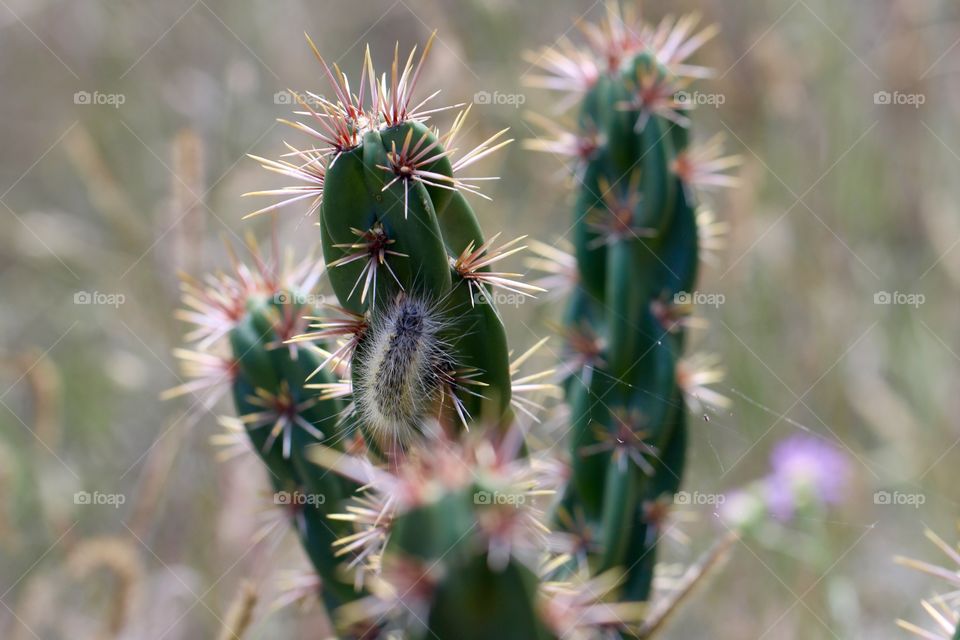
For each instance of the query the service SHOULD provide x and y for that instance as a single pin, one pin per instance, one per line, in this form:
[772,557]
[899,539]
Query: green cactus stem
[249,315]
[636,247]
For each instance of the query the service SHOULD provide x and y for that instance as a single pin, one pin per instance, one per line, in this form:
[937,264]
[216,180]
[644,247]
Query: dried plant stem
[239,616]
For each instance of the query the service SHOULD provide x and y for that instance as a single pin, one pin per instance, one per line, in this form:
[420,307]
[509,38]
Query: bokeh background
[845,195]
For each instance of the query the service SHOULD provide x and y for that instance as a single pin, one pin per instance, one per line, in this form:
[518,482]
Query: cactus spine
[941,608]
[635,238]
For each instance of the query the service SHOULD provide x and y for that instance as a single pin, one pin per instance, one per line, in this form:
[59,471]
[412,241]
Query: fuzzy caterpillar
[400,370]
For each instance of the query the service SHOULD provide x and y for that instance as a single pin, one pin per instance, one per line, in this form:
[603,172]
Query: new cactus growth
[636,247]
[452,539]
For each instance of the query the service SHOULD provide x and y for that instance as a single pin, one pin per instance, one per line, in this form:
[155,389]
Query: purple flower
[805,470]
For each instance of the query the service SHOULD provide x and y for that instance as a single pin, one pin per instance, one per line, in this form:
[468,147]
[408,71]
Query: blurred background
[125,127]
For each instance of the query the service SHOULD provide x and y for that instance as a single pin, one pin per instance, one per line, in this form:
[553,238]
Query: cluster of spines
[453,540]
[636,241]
[942,608]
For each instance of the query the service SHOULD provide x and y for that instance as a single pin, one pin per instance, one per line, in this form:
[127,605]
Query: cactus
[418,330]
[400,404]
[413,355]
[450,538]
[249,315]
[636,249]
[407,259]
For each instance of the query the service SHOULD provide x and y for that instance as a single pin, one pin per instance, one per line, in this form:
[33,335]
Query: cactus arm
[636,245]
[477,603]
[273,370]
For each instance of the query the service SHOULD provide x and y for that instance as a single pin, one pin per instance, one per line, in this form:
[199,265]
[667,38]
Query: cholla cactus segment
[404,252]
[451,534]
[282,419]
[360,195]
[244,325]
[636,242]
